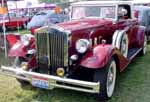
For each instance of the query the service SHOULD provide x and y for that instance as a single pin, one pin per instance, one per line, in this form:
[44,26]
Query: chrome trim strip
[66,52]
[83,86]
[48,48]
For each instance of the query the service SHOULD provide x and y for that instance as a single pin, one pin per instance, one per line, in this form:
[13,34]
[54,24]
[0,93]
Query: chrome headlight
[82,45]
[25,39]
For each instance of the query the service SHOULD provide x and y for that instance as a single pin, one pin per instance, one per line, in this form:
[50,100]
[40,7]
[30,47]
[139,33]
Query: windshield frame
[73,6]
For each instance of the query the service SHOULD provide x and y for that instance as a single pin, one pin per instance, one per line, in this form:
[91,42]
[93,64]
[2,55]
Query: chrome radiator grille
[58,48]
[52,48]
[42,48]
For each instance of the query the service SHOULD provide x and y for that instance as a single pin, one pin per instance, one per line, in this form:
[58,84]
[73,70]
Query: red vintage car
[13,21]
[85,53]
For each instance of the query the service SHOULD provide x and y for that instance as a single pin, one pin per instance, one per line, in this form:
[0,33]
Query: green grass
[20,31]
[133,86]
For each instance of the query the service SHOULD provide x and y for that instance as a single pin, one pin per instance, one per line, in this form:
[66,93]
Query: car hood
[84,23]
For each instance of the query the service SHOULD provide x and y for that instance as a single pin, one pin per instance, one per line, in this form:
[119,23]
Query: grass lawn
[20,31]
[133,86]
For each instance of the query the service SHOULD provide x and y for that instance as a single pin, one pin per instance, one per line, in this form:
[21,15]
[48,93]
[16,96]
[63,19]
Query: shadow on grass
[60,95]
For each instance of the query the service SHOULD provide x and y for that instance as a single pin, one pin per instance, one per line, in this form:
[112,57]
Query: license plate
[40,82]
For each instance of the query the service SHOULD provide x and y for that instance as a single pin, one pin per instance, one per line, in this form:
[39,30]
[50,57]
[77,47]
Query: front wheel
[107,79]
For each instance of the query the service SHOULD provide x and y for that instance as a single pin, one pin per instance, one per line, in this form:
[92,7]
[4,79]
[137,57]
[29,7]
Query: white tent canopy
[141,1]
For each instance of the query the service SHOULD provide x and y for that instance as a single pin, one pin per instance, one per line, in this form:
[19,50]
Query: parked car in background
[46,17]
[143,15]
[86,53]
[13,21]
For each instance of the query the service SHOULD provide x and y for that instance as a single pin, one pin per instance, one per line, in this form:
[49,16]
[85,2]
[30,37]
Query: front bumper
[53,81]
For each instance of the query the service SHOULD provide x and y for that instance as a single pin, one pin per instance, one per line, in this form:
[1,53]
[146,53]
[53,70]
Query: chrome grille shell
[52,47]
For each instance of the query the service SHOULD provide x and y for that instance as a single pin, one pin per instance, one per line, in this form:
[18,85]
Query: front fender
[12,39]
[97,58]
[17,50]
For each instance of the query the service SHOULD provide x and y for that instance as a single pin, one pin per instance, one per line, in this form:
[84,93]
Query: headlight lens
[82,45]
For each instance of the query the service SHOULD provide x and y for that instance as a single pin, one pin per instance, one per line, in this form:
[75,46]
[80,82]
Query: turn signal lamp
[60,72]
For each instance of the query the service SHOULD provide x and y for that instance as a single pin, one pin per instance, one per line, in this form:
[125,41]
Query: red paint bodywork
[90,28]
[11,39]
[17,50]
[100,54]
[20,50]
[15,22]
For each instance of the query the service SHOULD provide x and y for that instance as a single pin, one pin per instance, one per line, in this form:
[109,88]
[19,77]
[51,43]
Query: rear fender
[17,50]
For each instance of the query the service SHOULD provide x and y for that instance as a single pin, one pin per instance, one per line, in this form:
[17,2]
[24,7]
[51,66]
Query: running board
[133,52]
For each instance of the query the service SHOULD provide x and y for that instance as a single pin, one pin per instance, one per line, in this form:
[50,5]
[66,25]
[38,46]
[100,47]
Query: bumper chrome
[54,81]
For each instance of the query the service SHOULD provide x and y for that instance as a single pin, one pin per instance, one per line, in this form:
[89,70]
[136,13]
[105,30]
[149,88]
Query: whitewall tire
[107,78]
[144,48]
[111,79]
[120,41]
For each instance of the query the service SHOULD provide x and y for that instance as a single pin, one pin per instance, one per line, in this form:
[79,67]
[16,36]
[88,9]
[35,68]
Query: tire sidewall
[113,64]
[101,75]
[144,45]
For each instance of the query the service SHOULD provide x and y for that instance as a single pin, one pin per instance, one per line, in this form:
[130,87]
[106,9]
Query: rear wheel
[107,79]
[144,48]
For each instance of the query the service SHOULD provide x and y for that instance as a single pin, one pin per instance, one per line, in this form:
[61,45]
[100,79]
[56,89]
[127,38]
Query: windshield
[93,11]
